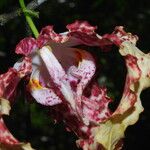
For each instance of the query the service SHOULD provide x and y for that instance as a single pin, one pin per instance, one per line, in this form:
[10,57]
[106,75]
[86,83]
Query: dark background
[31,122]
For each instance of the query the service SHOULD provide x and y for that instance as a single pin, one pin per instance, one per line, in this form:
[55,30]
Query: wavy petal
[137,77]
[80,33]
[10,79]
[81,26]
[8,83]
[130,107]
[7,140]
[47,33]
[119,36]
[26,46]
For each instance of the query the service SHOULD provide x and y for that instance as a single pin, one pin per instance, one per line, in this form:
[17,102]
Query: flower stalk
[28,18]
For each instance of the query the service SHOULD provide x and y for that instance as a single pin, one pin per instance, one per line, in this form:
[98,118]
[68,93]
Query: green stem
[29,19]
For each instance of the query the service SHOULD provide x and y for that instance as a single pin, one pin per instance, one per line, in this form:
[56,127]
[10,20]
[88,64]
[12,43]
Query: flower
[62,79]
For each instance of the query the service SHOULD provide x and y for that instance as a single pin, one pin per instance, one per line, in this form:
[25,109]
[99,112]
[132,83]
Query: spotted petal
[130,107]
[42,95]
[57,74]
[10,79]
[8,85]
[26,46]
[84,71]
[7,140]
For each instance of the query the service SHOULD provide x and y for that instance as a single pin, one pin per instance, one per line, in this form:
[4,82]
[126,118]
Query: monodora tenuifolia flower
[61,73]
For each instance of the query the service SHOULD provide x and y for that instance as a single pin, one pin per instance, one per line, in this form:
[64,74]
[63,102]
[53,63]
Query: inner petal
[66,56]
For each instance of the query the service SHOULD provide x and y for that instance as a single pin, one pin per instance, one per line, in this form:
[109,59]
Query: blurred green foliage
[32,122]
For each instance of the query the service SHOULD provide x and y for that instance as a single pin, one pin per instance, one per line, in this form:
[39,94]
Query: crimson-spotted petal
[10,79]
[26,46]
[84,71]
[23,67]
[7,140]
[8,85]
[127,113]
[82,74]
[95,108]
[57,74]
[42,95]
